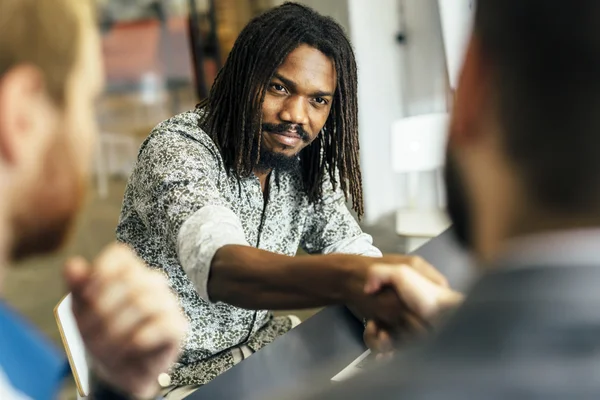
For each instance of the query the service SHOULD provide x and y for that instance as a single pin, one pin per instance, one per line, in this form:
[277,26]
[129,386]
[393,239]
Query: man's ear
[472,96]
[22,93]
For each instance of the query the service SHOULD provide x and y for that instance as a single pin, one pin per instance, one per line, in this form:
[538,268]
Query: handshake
[133,327]
[401,296]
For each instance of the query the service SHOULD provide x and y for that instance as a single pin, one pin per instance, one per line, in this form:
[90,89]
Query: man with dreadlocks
[223,196]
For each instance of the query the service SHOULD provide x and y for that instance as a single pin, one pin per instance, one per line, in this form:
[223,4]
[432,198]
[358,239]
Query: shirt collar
[575,247]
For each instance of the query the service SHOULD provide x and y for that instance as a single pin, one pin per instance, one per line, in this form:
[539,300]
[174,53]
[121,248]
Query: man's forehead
[308,67]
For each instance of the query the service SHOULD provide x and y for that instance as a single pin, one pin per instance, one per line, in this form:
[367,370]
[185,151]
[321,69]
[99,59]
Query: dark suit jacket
[523,333]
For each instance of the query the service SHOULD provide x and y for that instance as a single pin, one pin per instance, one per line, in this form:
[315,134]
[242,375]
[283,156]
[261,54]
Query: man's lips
[288,138]
[293,134]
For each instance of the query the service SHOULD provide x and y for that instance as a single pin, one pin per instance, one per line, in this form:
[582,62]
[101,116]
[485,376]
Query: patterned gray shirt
[181,206]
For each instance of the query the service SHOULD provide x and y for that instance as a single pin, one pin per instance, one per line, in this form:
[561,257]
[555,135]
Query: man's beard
[269,159]
[46,213]
[457,207]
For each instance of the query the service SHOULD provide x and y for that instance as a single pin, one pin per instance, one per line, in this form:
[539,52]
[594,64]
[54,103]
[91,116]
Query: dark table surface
[323,345]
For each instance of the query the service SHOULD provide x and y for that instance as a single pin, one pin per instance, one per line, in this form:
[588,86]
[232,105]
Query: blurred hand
[383,340]
[383,303]
[423,292]
[424,297]
[378,340]
[130,321]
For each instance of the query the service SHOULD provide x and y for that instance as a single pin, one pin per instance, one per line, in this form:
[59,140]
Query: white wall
[425,80]
[395,80]
[380,98]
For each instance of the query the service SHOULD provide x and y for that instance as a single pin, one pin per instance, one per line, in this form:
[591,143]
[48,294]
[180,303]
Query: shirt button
[164,380]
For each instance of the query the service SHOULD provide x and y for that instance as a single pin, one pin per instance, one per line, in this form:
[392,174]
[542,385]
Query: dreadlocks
[234,107]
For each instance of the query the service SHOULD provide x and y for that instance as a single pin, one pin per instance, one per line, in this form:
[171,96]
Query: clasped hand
[405,297]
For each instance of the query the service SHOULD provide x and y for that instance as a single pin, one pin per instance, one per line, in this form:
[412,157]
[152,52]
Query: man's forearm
[256,279]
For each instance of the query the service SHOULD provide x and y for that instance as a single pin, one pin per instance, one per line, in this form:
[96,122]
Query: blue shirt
[28,362]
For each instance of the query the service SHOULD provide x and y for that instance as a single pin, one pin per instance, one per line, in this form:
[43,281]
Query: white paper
[352,369]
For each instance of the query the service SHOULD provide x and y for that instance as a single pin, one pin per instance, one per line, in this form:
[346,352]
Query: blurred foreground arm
[129,320]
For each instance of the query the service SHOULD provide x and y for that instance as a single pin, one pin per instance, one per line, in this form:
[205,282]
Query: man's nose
[294,111]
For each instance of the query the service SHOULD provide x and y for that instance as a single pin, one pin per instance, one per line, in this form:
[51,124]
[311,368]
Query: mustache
[286,127]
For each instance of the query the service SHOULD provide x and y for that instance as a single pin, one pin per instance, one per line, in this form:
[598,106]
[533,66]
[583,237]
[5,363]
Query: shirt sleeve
[331,228]
[205,232]
[186,177]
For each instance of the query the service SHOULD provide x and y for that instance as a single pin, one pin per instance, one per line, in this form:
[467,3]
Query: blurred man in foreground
[523,181]
[50,74]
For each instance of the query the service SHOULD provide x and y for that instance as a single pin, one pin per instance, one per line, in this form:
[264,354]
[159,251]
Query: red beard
[46,215]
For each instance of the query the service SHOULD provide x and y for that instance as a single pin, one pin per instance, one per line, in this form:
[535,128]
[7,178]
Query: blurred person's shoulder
[29,364]
[8,391]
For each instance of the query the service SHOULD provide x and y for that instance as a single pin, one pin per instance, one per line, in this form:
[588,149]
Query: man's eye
[278,88]
[321,101]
